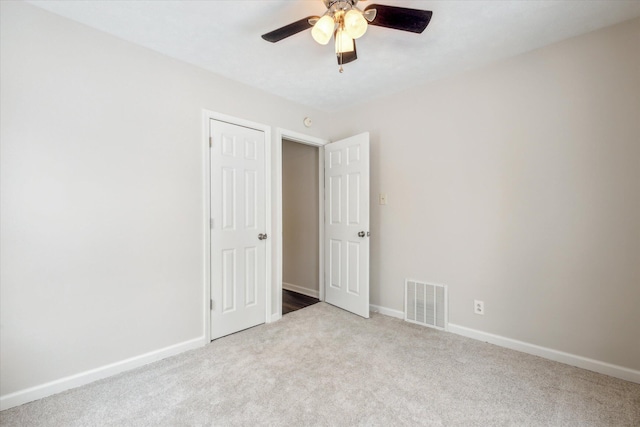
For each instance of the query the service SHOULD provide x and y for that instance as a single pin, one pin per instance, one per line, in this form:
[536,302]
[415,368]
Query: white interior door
[238,228]
[346,187]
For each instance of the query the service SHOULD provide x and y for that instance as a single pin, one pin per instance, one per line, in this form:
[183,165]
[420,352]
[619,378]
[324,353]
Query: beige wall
[519,185]
[300,217]
[102,227]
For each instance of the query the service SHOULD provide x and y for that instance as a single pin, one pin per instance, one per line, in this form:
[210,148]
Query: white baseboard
[275,317]
[548,353]
[38,392]
[299,289]
[386,311]
[605,368]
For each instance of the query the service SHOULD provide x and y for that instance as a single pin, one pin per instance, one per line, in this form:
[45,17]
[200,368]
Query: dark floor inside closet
[292,301]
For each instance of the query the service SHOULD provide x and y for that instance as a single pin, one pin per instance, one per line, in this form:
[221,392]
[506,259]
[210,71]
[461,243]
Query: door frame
[207,116]
[278,241]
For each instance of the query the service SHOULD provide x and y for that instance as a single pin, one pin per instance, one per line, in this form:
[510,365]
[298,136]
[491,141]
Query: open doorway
[300,225]
[341,243]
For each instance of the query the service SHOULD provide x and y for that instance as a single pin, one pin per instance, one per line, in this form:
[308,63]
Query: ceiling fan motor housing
[347,4]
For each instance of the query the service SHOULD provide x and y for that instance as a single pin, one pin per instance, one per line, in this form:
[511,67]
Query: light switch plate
[382,199]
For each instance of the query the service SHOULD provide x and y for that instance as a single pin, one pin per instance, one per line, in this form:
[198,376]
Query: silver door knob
[361,234]
[262,236]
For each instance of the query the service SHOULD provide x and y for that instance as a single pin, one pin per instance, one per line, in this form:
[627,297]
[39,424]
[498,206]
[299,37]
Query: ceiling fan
[345,22]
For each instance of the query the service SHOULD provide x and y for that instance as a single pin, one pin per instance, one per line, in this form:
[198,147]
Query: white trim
[277,170]
[38,392]
[548,353]
[605,368]
[321,223]
[207,116]
[301,138]
[269,228]
[301,290]
[276,317]
[386,311]
[206,221]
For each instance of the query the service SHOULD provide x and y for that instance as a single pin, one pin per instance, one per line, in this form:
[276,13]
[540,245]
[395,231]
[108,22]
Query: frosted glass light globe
[344,43]
[354,24]
[322,31]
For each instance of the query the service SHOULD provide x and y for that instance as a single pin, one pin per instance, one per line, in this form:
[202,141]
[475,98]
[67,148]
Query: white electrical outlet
[478,306]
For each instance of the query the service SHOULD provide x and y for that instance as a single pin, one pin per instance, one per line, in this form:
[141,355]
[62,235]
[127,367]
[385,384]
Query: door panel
[347,215]
[229,280]
[238,213]
[353,267]
[335,187]
[335,263]
[353,207]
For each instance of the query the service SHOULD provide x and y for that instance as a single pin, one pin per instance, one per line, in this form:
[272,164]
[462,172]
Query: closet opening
[300,225]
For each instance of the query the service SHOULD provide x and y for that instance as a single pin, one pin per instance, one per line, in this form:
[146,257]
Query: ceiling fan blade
[289,30]
[400,18]
[347,57]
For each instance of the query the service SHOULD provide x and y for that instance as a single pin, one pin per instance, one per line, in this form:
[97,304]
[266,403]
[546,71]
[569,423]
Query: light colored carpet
[323,366]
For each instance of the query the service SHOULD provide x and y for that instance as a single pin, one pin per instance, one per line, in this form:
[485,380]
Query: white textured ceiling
[224,37]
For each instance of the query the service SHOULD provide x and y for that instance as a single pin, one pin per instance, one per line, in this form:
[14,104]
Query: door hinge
[210,304]
[211,223]
[210,141]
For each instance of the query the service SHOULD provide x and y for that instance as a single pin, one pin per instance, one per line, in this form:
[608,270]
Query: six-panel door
[347,224]
[238,213]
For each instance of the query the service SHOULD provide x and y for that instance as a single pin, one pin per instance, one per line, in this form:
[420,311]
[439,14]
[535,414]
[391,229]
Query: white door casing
[319,143]
[238,217]
[346,218]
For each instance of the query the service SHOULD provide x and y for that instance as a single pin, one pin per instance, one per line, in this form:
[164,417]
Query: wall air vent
[425,304]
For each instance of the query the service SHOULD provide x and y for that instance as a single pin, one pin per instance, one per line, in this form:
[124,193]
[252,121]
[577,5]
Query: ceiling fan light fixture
[344,42]
[344,21]
[323,29]
[355,24]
